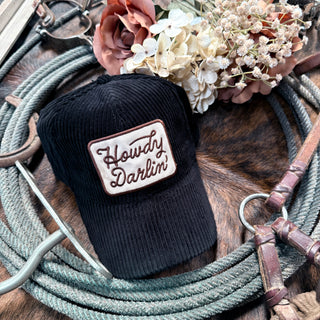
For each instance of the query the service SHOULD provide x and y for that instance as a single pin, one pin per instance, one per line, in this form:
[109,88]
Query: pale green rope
[299,87]
[314,90]
[69,285]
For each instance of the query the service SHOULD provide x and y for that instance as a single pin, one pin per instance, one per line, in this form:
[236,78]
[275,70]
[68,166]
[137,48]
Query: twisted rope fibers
[302,90]
[52,76]
[69,285]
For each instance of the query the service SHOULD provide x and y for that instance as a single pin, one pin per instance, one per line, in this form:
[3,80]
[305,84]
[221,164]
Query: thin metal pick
[64,227]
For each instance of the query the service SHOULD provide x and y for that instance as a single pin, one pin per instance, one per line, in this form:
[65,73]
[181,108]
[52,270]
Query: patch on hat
[133,159]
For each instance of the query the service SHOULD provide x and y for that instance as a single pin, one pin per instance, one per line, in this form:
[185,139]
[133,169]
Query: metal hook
[65,228]
[46,14]
[64,231]
[32,263]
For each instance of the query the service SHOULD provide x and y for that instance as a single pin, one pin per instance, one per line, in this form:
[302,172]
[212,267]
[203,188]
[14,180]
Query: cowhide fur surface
[242,150]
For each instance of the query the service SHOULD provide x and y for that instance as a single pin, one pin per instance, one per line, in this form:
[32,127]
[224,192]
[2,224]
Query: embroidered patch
[133,159]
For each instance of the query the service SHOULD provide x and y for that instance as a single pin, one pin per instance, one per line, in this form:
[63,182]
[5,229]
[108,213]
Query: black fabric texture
[142,232]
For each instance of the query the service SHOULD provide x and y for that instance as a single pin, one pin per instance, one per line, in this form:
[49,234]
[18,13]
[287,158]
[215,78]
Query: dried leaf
[187,6]
[162,3]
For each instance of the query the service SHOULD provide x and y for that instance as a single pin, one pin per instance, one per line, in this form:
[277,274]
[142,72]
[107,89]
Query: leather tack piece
[307,64]
[274,296]
[31,145]
[13,100]
[275,291]
[289,233]
[281,192]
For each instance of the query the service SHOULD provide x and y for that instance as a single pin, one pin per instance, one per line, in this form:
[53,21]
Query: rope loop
[71,287]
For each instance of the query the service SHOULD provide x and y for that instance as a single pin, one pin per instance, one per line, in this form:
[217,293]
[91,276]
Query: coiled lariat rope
[69,285]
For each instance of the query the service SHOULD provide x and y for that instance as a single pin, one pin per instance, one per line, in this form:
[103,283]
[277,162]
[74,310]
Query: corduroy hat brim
[154,233]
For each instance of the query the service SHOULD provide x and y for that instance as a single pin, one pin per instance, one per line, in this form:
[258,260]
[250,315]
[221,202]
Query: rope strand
[64,284]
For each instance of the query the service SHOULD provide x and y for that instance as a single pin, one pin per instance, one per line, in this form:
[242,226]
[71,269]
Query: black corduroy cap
[125,145]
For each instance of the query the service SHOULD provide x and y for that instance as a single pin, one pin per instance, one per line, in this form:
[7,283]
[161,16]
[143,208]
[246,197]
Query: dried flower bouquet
[222,49]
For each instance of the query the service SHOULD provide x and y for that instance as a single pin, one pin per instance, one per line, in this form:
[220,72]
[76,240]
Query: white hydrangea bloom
[206,72]
[129,66]
[147,49]
[162,55]
[200,96]
[173,24]
[209,43]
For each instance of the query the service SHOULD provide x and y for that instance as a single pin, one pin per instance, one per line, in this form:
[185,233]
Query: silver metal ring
[252,197]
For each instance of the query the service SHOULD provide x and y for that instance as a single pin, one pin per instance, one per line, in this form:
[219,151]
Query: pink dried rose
[123,23]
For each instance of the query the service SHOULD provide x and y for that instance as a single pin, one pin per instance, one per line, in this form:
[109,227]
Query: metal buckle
[48,18]
[46,15]
[312,13]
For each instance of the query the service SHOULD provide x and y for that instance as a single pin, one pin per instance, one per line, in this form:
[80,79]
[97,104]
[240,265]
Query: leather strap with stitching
[275,291]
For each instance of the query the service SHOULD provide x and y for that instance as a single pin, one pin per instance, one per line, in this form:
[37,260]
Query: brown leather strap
[274,296]
[289,233]
[275,291]
[13,100]
[307,64]
[31,145]
[295,172]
